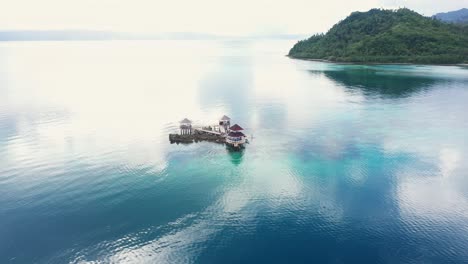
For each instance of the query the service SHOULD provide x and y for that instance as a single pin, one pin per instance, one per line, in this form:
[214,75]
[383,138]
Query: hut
[185,127]
[235,137]
[225,121]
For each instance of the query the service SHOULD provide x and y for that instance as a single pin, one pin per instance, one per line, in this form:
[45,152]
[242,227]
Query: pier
[202,130]
[222,133]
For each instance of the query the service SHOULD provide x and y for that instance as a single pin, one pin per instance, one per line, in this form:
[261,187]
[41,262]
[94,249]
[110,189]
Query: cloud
[211,16]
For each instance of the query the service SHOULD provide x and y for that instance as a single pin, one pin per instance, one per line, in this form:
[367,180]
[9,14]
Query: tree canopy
[388,36]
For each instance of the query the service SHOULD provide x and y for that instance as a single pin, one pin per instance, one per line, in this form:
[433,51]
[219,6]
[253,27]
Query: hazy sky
[240,17]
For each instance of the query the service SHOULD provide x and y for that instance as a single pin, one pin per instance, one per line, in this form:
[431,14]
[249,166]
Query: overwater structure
[235,137]
[222,132]
[185,127]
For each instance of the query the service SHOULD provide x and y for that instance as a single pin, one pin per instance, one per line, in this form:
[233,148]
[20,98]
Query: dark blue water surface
[346,163]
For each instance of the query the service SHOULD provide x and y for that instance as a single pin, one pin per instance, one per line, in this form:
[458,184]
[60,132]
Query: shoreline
[376,63]
[195,138]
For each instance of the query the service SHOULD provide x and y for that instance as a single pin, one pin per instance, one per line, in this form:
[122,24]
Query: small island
[222,132]
[388,36]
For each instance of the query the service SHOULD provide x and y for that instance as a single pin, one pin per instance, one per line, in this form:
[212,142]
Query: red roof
[236,134]
[236,127]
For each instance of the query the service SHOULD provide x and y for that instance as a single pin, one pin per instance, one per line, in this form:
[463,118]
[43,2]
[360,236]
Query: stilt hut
[185,127]
[225,122]
[235,137]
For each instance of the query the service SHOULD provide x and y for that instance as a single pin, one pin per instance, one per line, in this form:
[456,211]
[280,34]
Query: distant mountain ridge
[65,35]
[388,36]
[38,35]
[458,16]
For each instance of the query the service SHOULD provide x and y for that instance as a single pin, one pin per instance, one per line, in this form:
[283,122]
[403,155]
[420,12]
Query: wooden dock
[202,130]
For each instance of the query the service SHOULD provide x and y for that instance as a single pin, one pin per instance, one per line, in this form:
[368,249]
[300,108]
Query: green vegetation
[388,36]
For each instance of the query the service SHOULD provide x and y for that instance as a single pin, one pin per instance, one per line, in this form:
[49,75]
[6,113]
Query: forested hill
[388,36]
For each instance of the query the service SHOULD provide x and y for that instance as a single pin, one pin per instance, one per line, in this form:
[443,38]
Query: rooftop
[236,134]
[186,121]
[225,118]
[236,127]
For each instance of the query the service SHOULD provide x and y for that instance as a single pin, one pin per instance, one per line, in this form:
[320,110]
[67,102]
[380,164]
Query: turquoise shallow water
[347,163]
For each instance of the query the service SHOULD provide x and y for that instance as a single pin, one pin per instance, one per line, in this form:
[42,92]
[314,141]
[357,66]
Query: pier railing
[201,129]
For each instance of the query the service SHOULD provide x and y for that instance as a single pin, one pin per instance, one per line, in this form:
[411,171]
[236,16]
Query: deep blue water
[346,163]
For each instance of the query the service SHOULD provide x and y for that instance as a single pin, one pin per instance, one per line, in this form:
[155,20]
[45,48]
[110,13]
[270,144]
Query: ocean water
[346,163]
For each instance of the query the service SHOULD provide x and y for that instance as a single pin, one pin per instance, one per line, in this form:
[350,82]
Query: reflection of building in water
[185,127]
[236,156]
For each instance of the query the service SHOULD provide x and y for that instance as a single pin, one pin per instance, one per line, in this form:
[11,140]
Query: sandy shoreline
[376,63]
